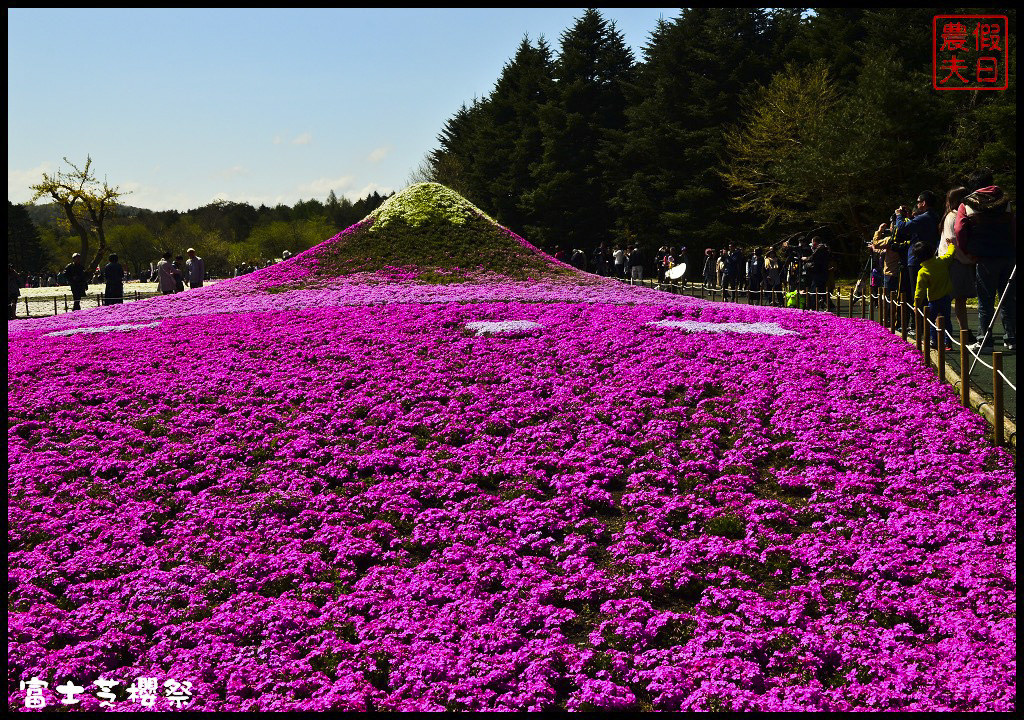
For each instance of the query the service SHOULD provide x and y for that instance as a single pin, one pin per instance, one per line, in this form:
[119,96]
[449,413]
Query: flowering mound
[415,497]
[427,233]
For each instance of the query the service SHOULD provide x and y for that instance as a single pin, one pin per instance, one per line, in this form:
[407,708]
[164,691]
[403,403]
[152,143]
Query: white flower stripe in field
[483,327]
[102,328]
[757,328]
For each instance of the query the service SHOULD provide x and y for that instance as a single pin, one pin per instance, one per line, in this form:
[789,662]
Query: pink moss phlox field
[339,497]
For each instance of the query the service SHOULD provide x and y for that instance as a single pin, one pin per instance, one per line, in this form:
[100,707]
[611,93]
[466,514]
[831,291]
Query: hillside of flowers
[524,489]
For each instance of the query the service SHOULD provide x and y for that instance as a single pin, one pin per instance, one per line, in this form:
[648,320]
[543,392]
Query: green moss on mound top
[436,235]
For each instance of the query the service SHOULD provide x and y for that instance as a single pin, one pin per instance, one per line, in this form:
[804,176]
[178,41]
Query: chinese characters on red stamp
[970,52]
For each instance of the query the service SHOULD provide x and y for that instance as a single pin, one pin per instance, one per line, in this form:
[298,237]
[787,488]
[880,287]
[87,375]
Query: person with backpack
[986,230]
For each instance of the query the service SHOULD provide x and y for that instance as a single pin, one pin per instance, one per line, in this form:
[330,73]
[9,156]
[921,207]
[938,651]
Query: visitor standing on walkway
[635,264]
[962,270]
[818,262]
[113,276]
[74,276]
[165,275]
[195,269]
[619,256]
[710,267]
[13,292]
[906,231]
[934,287]
[986,228]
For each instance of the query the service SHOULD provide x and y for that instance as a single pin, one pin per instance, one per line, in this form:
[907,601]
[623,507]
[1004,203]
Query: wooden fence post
[917,327]
[940,322]
[997,395]
[55,305]
[965,380]
[926,340]
[903,318]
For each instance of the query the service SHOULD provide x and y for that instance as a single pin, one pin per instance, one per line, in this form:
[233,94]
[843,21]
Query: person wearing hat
[907,231]
[74,275]
[195,269]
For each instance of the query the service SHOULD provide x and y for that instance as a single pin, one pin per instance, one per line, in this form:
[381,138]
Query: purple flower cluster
[346,497]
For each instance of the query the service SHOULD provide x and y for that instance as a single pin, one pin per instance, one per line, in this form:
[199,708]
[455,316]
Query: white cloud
[303,139]
[379,154]
[18,181]
[231,171]
[354,195]
[323,186]
[277,140]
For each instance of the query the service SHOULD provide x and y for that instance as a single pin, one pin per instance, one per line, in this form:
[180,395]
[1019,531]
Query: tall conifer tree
[570,203]
[697,68]
[513,144]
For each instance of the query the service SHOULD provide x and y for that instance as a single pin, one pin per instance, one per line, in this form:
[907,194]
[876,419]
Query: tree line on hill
[226,234]
[737,125]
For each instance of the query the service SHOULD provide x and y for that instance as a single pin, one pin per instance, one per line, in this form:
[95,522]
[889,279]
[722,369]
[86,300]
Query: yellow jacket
[933,280]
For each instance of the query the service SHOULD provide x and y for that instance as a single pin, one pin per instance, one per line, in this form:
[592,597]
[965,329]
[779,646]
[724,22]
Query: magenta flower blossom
[349,496]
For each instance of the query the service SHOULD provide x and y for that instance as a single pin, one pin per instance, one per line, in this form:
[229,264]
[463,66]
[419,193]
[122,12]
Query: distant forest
[226,234]
[739,125]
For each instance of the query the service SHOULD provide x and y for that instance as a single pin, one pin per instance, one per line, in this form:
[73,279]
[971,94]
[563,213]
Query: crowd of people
[171,274]
[925,256]
[624,261]
[795,264]
[943,256]
[777,273]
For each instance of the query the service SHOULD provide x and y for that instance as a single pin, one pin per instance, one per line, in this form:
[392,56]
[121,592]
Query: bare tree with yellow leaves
[87,205]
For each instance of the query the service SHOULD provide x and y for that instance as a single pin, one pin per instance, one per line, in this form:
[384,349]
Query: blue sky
[184,107]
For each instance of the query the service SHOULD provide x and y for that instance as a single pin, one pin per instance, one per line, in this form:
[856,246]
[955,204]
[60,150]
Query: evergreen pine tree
[570,203]
[24,248]
[696,70]
[510,142]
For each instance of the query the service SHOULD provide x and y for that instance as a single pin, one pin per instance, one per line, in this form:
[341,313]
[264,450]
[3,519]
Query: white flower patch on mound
[483,327]
[757,328]
[102,328]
